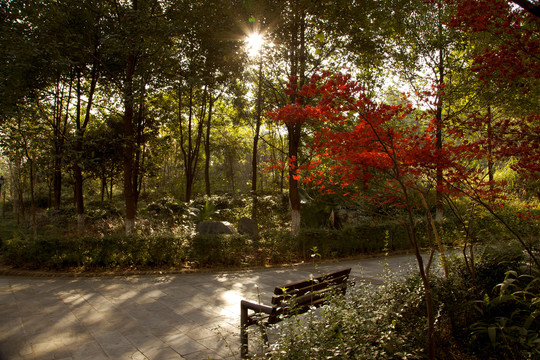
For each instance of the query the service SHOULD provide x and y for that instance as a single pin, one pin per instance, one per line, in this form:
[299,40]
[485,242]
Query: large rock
[248,226]
[215,227]
[343,217]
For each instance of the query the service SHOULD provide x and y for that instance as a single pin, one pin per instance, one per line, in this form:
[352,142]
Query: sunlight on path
[180,316]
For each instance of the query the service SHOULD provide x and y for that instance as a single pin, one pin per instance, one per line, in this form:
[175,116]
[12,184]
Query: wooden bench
[288,300]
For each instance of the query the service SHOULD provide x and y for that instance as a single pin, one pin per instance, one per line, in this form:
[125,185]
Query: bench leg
[243,332]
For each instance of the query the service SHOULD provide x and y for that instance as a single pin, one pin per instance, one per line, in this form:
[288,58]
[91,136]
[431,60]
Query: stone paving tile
[163,353]
[222,347]
[115,345]
[89,350]
[183,344]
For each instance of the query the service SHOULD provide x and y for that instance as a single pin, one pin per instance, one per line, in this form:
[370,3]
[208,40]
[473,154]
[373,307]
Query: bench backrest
[299,297]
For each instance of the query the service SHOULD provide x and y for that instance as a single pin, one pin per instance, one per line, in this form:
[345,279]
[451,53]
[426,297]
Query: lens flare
[254,43]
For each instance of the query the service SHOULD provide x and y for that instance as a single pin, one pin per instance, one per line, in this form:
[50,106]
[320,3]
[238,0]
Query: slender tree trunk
[294,194]
[60,129]
[14,167]
[490,153]
[231,172]
[439,202]
[79,141]
[424,275]
[188,160]
[207,148]
[191,153]
[138,166]
[254,161]
[103,184]
[439,143]
[111,186]
[78,191]
[30,161]
[129,146]
[32,197]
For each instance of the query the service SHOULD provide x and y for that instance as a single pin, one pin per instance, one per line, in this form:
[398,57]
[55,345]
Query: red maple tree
[511,56]
[508,58]
[358,142]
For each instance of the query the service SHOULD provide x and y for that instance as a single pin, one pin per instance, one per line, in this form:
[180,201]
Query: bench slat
[301,284]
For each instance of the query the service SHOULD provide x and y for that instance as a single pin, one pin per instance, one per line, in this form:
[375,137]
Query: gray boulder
[248,226]
[214,227]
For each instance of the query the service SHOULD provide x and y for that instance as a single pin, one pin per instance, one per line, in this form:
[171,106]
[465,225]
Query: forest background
[159,102]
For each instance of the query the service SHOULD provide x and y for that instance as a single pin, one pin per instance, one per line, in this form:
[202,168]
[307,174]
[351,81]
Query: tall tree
[207,56]
[137,46]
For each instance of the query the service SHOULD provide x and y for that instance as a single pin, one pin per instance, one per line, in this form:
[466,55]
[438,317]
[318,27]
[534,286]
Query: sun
[254,43]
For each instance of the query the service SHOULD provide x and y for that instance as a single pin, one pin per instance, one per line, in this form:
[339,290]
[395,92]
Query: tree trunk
[111,185]
[14,172]
[254,160]
[79,140]
[103,184]
[439,144]
[191,153]
[32,198]
[79,133]
[294,194]
[424,275]
[490,154]
[297,58]
[129,146]
[138,166]
[60,129]
[207,148]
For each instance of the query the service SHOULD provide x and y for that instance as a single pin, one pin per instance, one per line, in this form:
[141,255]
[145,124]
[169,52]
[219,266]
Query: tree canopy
[171,87]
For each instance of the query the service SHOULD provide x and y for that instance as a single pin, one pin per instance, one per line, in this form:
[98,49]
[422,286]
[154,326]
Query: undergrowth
[480,321]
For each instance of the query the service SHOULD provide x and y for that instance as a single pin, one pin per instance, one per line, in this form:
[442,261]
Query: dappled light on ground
[191,316]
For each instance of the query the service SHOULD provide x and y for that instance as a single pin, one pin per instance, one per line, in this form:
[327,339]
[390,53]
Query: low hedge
[92,252]
[167,250]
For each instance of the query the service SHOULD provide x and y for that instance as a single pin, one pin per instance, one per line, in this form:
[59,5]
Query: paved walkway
[144,317]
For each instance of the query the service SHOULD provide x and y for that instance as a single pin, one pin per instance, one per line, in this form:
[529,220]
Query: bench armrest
[258,308]
[246,321]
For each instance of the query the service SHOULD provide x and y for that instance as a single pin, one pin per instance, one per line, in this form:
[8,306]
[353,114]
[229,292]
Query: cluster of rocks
[246,226]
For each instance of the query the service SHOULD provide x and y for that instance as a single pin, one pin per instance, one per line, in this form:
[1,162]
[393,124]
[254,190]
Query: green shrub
[220,250]
[509,323]
[355,240]
[492,261]
[486,321]
[279,246]
[97,210]
[384,322]
[115,250]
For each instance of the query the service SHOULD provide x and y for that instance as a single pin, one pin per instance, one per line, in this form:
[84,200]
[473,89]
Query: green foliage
[103,244]
[99,210]
[492,261]
[278,246]
[171,211]
[83,252]
[371,322]
[366,238]
[221,250]
[207,212]
[389,321]
[509,324]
